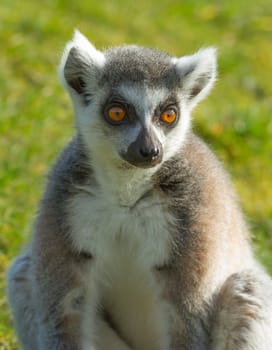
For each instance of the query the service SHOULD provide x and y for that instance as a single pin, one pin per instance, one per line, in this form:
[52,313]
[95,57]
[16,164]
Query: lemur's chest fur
[127,243]
[103,227]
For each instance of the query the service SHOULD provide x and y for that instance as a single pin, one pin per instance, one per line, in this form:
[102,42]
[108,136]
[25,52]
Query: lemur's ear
[79,65]
[197,74]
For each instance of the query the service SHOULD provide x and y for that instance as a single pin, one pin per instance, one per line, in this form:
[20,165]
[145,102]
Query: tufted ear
[197,74]
[79,66]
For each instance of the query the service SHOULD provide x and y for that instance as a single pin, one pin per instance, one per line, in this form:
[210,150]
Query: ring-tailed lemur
[139,242]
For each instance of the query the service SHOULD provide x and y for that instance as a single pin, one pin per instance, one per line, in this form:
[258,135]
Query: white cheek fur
[176,137]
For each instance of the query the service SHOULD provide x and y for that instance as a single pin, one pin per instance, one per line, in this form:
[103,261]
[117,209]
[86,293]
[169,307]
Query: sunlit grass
[36,116]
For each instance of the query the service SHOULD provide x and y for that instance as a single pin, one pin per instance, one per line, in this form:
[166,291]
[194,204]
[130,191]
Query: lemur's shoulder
[194,163]
[71,169]
[195,184]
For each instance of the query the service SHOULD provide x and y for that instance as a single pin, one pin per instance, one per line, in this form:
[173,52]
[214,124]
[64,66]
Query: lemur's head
[133,104]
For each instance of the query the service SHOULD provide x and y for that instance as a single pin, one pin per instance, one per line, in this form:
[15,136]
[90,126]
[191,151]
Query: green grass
[36,116]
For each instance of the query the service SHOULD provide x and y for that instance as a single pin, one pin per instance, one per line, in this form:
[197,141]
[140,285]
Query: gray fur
[133,257]
[138,64]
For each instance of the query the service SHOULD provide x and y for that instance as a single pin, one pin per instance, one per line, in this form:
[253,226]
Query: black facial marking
[145,151]
[118,100]
[170,103]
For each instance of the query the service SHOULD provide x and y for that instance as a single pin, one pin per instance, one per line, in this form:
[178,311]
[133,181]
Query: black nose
[151,152]
[145,152]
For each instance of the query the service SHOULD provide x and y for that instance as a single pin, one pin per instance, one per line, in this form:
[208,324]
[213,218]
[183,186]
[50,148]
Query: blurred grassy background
[36,115]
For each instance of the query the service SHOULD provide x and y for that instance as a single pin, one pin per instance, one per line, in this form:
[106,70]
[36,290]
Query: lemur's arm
[59,288]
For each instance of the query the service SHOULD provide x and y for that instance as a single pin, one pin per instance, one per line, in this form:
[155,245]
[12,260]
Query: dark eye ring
[169,115]
[116,114]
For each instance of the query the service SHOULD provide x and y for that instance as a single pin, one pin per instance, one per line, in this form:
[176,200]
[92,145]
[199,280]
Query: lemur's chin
[142,162]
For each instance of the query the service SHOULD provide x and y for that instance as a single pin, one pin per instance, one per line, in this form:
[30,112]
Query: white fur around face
[105,143]
[197,73]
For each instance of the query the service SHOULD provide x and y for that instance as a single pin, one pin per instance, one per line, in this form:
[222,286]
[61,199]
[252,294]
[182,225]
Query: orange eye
[169,116]
[116,114]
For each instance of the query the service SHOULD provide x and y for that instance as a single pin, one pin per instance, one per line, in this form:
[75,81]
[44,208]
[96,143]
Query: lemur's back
[139,243]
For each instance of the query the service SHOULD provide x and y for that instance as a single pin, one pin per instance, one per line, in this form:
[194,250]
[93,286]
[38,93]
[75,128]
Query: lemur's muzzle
[145,151]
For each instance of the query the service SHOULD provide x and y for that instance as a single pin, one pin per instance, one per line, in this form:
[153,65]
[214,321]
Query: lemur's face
[132,104]
[137,121]
[140,123]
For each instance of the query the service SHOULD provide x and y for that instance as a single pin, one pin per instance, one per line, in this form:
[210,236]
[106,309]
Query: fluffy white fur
[198,70]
